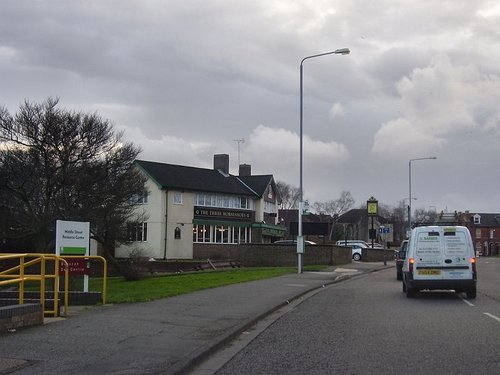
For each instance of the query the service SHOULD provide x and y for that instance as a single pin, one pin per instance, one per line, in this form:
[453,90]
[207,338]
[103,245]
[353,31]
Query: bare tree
[58,164]
[400,221]
[422,216]
[290,195]
[335,207]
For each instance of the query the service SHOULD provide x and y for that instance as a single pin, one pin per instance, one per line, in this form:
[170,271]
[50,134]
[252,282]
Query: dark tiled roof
[488,220]
[170,176]
[258,184]
[352,215]
[356,214]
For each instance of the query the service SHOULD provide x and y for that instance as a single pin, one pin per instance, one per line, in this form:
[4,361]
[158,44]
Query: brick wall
[270,255]
[377,255]
[18,316]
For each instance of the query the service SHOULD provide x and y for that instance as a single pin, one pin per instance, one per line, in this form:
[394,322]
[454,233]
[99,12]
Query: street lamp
[409,184]
[408,209]
[300,238]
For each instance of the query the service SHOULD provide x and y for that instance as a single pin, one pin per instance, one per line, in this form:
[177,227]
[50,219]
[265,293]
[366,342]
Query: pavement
[175,335]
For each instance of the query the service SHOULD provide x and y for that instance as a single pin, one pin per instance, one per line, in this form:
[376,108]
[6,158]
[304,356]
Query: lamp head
[343,51]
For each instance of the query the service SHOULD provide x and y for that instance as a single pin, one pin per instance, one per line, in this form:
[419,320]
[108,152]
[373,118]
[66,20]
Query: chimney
[221,163]
[245,170]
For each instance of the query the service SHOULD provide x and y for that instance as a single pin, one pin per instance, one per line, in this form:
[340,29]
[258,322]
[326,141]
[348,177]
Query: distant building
[188,206]
[484,228]
[485,231]
[355,225]
[315,227]
[352,225]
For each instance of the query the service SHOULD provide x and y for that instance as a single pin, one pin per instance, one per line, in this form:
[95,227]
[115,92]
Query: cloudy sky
[186,78]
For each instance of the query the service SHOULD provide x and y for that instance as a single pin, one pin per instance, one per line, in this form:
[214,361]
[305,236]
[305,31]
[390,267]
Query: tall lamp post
[300,237]
[408,210]
[409,184]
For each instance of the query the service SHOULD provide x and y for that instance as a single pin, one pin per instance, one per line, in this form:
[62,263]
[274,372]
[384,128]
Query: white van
[440,258]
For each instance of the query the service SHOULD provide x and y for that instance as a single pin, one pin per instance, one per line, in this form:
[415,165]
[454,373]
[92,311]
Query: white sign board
[72,238]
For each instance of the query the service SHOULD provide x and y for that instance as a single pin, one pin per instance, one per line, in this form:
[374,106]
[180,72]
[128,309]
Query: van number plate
[429,272]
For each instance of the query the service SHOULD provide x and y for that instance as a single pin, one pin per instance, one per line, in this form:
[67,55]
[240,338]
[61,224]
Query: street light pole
[407,207]
[409,184]
[300,238]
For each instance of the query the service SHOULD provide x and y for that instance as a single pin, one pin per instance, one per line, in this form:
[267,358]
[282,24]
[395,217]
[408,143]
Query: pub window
[221,234]
[236,235]
[177,197]
[137,232]
[177,233]
[138,199]
[244,202]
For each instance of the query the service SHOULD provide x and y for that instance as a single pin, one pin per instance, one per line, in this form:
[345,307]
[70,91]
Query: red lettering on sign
[76,266]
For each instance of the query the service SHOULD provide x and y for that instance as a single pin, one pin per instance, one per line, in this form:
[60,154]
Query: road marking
[467,302]
[492,316]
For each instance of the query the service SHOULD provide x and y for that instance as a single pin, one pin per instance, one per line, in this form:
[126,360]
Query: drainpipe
[166,226]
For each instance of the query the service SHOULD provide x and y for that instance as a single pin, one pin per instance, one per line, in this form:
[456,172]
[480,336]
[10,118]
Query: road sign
[384,230]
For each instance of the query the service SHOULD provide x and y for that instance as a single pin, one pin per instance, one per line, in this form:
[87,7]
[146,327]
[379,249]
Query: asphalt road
[366,325]
[165,336]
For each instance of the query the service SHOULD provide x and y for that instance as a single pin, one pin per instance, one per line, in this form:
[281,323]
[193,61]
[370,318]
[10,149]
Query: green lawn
[119,290]
[168,285]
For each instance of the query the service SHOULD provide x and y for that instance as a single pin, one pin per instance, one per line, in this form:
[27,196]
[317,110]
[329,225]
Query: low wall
[377,255]
[270,255]
[18,316]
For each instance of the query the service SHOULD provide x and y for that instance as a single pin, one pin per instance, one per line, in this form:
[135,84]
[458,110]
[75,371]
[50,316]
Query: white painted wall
[180,216]
[155,217]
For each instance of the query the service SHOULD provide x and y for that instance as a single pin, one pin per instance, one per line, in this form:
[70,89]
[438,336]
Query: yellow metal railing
[104,270]
[18,275]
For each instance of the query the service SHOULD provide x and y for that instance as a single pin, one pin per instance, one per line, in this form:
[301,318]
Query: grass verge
[152,288]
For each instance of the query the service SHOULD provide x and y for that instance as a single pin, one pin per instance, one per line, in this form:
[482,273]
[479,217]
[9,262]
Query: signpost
[372,210]
[73,238]
[384,232]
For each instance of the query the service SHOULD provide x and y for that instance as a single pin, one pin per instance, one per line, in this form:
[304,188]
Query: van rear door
[457,254]
[429,260]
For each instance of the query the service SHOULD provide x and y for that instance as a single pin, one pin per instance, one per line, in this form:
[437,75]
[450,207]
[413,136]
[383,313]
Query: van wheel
[410,292]
[471,293]
[356,256]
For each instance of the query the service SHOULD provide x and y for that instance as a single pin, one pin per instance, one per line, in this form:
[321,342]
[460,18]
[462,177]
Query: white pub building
[185,206]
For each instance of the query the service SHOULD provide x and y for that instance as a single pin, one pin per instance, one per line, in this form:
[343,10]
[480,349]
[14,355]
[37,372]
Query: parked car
[351,242]
[292,242]
[357,251]
[357,247]
[400,257]
[440,258]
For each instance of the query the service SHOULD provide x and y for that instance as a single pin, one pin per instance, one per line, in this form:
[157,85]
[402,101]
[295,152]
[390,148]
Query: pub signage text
[215,213]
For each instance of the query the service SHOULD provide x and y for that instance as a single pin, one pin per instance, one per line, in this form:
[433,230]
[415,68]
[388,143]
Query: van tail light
[411,261]
[473,264]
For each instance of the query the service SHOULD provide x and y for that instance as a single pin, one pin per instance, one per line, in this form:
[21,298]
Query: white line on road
[492,316]
[467,302]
